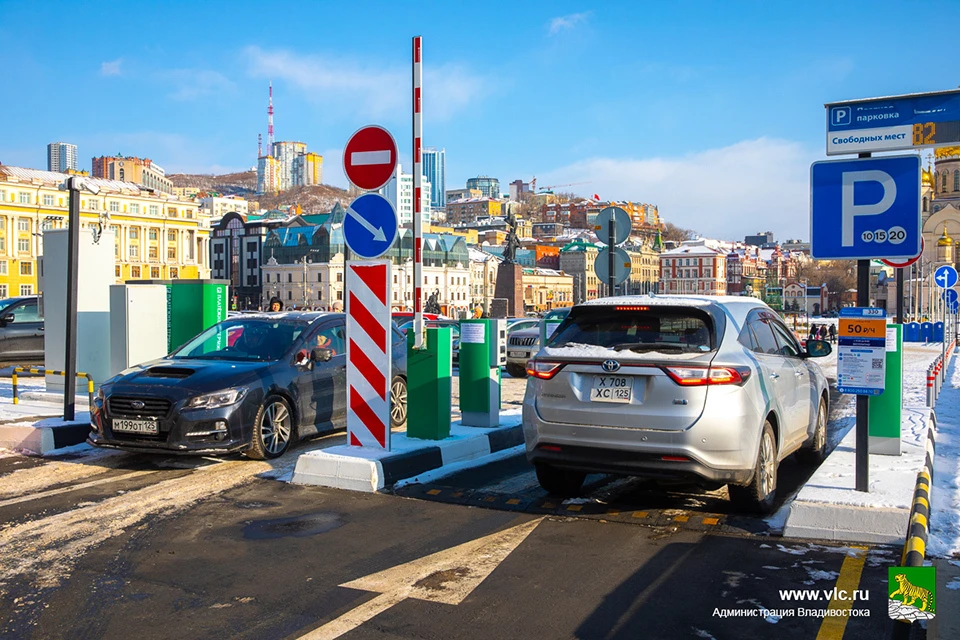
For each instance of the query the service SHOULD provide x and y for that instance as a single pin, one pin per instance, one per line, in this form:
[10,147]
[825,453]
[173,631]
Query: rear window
[664,329]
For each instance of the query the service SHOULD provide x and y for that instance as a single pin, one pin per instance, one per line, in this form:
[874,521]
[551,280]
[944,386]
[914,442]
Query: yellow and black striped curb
[918,529]
[49,372]
[651,517]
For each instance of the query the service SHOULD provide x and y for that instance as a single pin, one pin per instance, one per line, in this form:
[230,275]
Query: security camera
[91,187]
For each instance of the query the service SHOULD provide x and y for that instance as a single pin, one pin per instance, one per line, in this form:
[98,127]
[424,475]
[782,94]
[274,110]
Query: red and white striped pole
[417,188]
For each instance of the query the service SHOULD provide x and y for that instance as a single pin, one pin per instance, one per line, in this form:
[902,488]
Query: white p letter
[849,210]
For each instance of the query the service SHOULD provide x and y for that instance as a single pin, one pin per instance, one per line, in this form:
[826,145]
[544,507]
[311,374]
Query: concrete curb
[827,507]
[915,546]
[43,436]
[358,469]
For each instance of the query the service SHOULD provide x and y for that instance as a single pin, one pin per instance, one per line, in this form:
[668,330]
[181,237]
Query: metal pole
[900,296]
[73,263]
[417,186]
[611,246]
[863,426]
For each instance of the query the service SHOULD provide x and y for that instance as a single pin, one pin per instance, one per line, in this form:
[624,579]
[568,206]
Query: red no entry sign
[370,157]
[905,263]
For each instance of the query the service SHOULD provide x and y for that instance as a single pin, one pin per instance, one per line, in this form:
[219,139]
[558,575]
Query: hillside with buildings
[241,184]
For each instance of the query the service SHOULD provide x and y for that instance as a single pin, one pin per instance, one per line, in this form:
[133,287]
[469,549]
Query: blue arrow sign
[865,208]
[945,277]
[950,296]
[370,226]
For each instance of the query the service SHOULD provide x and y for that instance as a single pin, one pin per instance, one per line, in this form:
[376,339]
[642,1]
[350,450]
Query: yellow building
[467,211]
[545,289]
[312,169]
[469,235]
[157,236]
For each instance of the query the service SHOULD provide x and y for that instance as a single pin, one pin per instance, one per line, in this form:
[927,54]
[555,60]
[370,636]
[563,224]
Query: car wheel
[815,453]
[398,402]
[561,482]
[760,494]
[272,431]
[516,370]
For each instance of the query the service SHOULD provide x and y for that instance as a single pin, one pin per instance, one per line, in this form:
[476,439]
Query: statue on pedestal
[512,242]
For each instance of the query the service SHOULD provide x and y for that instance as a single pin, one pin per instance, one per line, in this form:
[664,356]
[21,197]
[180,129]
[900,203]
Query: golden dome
[947,152]
[945,240]
[926,177]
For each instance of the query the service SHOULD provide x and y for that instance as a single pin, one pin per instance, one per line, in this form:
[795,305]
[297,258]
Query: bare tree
[672,232]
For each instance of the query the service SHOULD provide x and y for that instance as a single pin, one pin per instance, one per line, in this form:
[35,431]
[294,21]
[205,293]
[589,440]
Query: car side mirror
[818,348]
[6,319]
[321,355]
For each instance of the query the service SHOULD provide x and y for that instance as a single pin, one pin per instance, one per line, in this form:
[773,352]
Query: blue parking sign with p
[865,208]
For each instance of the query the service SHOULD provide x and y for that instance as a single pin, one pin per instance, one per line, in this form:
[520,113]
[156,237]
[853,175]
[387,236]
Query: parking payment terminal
[483,350]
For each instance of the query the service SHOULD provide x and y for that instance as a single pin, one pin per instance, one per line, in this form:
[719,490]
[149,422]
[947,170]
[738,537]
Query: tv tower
[270,122]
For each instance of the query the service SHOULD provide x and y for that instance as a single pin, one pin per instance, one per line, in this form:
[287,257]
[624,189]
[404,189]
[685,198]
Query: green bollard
[884,411]
[482,351]
[429,384]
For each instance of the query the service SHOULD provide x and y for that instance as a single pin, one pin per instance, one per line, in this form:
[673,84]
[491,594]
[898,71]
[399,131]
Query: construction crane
[569,184]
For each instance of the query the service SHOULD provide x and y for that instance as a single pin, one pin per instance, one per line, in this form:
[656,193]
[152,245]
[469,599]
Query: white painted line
[462,568]
[364,158]
[74,487]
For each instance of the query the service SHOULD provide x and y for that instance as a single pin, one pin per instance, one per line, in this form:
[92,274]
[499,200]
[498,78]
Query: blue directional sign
[945,277]
[950,296]
[865,208]
[370,226]
[893,123]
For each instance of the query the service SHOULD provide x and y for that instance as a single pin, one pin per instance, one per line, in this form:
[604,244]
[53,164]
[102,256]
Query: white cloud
[722,193]
[190,84]
[371,89]
[562,23]
[111,68]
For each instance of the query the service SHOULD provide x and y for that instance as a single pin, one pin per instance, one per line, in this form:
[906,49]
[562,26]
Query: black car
[21,330]
[252,383]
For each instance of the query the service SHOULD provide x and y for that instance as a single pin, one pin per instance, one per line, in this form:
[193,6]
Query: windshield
[243,339]
[640,329]
[6,303]
[556,314]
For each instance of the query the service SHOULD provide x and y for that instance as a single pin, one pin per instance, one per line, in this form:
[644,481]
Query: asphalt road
[105,544]
[121,545]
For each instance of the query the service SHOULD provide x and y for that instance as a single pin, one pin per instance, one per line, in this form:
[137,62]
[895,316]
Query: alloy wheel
[275,427]
[398,401]
[768,465]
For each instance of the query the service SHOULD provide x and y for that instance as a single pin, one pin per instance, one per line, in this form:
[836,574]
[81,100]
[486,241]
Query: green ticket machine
[483,351]
[192,306]
[430,384]
[884,411]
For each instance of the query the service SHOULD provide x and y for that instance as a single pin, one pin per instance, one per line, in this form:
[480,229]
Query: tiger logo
[911,593]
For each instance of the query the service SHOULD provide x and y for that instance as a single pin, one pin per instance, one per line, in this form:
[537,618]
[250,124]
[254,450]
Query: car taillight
[543,369]
[702,376]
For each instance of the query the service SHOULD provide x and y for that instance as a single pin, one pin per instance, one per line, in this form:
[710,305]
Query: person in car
[255,342]
[324,342]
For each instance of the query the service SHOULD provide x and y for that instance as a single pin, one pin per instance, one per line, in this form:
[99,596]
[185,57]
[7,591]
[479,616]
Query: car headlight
[100,395]
[216,400]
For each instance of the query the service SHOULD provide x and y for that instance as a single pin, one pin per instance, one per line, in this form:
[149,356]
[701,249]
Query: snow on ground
[945,494]
[892,478]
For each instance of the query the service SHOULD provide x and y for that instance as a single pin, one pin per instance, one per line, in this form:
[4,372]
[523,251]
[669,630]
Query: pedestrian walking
[832,331]
[276,304]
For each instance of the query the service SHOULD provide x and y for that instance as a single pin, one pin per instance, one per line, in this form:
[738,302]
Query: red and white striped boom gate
[369,341]
[417,192]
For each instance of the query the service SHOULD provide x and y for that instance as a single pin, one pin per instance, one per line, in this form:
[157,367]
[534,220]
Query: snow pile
[944,538]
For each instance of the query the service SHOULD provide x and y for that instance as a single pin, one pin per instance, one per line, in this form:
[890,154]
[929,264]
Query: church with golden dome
[940,205]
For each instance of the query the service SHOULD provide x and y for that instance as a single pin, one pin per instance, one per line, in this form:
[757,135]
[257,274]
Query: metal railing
[937,374]
[49,372]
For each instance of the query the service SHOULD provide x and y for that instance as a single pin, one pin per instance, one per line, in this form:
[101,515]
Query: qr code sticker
[878,363]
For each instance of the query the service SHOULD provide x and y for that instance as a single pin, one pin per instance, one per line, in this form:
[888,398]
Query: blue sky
[712,110]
